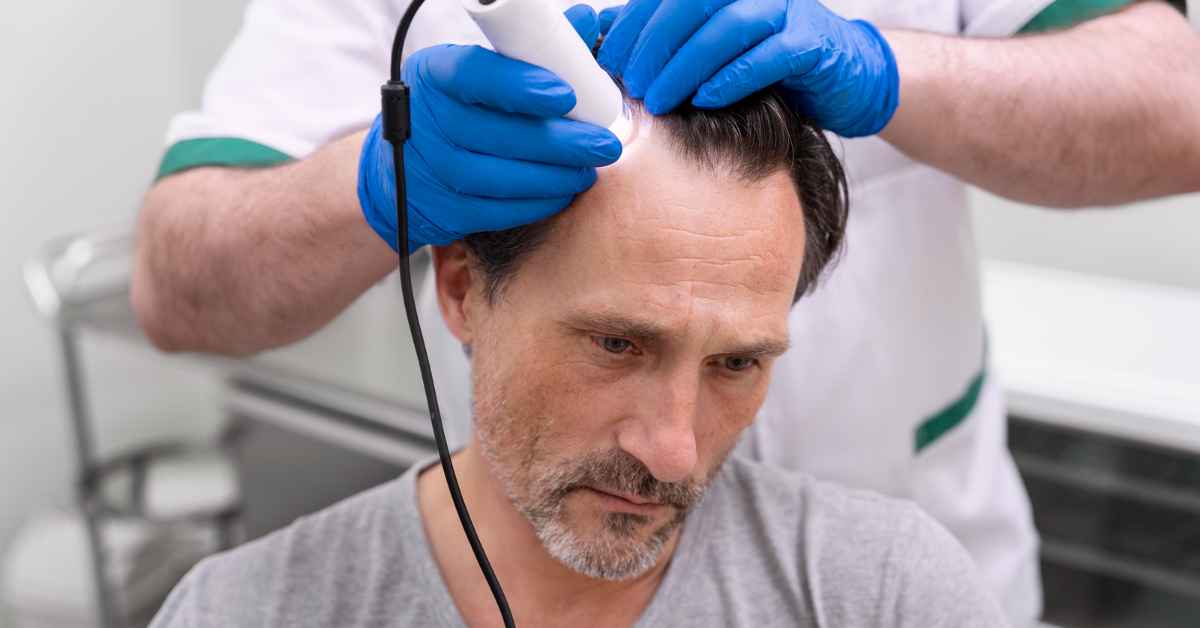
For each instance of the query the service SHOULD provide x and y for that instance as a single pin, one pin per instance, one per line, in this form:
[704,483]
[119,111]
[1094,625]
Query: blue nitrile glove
[840,73]
[489,150]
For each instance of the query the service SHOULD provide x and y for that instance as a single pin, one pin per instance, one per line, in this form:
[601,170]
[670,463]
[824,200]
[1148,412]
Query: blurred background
[1093,317]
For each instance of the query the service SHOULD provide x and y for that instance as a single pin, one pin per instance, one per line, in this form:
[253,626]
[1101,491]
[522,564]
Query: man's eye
[734,363]
[614,345]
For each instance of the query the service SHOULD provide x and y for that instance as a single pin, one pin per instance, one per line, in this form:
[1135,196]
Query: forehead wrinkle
[751,273]
[693,284]
[670,217]
[677,289]
[748,261]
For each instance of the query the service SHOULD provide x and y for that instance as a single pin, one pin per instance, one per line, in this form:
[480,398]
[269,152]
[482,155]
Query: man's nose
[662,434]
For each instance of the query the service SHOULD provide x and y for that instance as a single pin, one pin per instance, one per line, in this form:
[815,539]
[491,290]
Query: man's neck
[540,589]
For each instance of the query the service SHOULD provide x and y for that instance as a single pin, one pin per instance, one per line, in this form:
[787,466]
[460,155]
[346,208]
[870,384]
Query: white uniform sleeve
[299,74]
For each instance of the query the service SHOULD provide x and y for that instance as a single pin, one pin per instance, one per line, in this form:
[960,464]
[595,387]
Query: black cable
[396,129]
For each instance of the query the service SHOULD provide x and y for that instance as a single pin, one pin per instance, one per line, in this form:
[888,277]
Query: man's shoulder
[833,525]
[295,574]
[808,525]
[344,530]
[775,491]
[849,552]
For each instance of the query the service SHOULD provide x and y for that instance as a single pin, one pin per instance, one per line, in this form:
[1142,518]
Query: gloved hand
[840,73]
[489,150]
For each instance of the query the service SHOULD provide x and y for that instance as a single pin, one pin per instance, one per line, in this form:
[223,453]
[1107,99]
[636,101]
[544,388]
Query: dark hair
[754,138]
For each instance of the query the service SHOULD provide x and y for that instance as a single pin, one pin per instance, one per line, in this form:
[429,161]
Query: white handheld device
[535,32]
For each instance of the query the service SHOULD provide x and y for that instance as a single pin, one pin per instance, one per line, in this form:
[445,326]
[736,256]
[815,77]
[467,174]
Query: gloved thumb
[586,23]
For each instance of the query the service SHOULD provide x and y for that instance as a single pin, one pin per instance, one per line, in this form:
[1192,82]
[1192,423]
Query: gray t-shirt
[763,548]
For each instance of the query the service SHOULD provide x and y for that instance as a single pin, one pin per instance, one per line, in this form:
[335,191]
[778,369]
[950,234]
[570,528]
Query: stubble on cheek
[513,418]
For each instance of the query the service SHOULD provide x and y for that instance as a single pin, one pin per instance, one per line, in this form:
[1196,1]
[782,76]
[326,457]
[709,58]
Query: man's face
[615,371]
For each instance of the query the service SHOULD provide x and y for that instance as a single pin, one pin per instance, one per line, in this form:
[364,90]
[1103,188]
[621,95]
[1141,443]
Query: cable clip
[397,127]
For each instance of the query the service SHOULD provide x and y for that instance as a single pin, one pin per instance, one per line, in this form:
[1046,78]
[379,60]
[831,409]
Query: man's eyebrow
[643,330]
[762,348]
[617,325]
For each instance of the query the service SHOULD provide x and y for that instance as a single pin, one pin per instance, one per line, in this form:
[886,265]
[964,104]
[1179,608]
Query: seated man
[618,350]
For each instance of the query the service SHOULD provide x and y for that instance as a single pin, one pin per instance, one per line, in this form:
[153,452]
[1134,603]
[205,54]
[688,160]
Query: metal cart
[81,283]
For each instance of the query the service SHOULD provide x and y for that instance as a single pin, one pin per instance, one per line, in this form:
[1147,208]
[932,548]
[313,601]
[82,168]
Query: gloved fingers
[586,23]
[764,65]
[475,174]
[471,214]
[668,29]
[376,172]
[554,141]
[620,39]
[475,75]
[497,215]
[607,17]
[733,30]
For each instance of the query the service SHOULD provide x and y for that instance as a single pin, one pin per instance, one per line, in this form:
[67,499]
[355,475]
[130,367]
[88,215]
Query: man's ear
[455,288]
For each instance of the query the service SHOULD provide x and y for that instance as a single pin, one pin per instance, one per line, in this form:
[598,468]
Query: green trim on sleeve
[949,417]
[219,151]
[1066,13]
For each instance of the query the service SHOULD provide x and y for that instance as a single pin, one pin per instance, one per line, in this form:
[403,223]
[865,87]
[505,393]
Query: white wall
[88,88]
[1157,241]
[205,29]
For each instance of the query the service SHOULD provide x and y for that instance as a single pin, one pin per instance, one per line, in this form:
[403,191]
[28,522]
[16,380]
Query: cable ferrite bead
[397,126]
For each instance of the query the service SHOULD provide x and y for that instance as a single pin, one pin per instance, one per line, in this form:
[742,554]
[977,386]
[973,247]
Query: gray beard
[612,553]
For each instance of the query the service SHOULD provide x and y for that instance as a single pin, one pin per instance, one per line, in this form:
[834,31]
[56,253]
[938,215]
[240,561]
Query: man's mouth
[624,502]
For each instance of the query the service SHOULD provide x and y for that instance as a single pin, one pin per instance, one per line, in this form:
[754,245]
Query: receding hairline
[753,138]
[685,131]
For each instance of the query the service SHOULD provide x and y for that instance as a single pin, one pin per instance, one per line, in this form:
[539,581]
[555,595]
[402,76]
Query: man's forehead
[659,218]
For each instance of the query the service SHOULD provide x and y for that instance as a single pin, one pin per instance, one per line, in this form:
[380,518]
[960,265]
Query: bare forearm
[232,261]
[1100,114]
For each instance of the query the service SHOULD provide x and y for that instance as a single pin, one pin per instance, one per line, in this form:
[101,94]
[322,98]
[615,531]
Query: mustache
[618,471]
